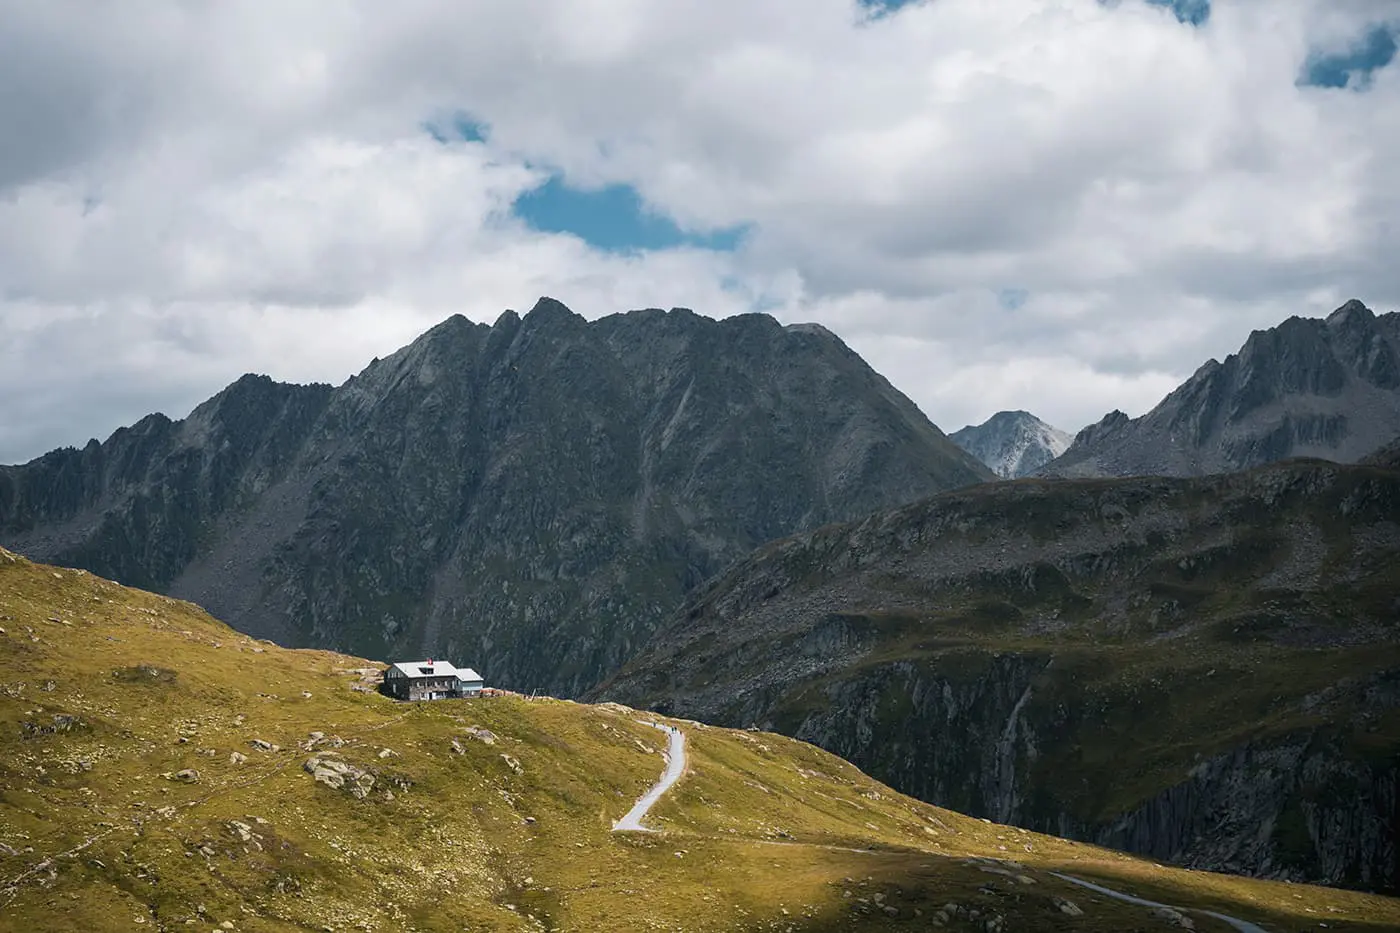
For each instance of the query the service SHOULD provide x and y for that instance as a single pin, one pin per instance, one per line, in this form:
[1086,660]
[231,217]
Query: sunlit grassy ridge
[492,814]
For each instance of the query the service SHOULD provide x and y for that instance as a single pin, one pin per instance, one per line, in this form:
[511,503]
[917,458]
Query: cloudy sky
[1058,205]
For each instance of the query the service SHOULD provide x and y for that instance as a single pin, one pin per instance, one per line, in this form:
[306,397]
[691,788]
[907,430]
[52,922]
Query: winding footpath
[1244,926]
[675,767]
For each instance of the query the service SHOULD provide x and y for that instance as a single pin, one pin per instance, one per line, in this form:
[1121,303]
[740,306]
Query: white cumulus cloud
[191,191]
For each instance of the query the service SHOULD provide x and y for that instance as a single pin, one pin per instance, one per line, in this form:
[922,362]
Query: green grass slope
[154,776]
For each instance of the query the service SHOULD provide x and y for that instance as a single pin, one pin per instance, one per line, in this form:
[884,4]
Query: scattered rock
[1173,916]
[245,834]
[340,775]
[513,763]
[481,735]
[319,738]
[1068,907]
[263,746]
[185,776]
[62,722]
[237,758]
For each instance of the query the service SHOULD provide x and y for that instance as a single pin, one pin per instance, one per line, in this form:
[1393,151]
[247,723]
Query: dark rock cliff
[1307,388]
[1205,670]
[532,497]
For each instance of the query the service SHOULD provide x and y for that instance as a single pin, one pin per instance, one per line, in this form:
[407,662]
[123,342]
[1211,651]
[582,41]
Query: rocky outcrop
[1307,388]
[532,498]
[338,774]
[1176,666]
[1012,443]
[1299,808]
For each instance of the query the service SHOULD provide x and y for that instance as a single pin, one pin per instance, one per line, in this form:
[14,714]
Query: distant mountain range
[1204,670]
[533,497]
[1307,388]
[1012,443]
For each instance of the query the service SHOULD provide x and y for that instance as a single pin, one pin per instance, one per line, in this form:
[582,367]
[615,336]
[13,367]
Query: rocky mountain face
[1203,670]
[1012,443]
[1307,388]
[532,498]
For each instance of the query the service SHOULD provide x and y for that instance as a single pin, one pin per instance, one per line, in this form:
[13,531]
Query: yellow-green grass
[97,832]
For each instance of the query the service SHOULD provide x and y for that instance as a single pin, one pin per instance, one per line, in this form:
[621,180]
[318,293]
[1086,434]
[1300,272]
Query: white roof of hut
[428,668]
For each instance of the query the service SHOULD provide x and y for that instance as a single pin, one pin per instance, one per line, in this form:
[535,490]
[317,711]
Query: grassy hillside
[155,773]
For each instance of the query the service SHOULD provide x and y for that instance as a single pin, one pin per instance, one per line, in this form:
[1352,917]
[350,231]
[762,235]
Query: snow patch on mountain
[1013,443]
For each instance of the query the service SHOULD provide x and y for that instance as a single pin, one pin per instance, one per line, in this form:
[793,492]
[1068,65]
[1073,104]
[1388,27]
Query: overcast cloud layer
[1058,205]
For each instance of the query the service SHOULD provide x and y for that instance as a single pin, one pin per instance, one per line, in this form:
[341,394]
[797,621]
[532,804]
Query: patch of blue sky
[878,9]
[1012,299]
[1191,12]
[613,218]
[457,127]
[1354,66]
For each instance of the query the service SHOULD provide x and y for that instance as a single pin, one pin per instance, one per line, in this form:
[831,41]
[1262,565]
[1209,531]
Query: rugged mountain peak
[550,310]
[1106,426]
[451,329]
[247,393]
[1012,443]
[1351,314]
[811,327]
[1310,387]
[535,495]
